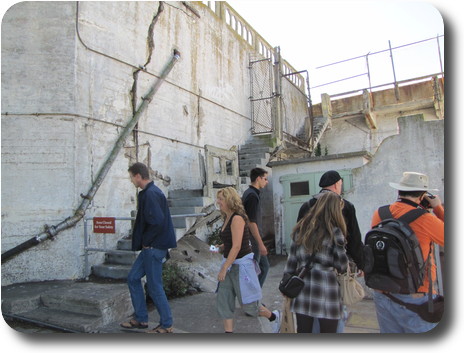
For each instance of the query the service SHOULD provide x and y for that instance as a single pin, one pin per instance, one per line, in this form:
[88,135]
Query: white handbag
[351,290]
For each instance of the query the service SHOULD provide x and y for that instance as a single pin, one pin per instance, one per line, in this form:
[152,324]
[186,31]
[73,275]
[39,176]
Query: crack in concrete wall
[134,154]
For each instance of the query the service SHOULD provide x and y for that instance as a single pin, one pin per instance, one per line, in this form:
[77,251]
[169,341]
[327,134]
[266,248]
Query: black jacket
[354,246]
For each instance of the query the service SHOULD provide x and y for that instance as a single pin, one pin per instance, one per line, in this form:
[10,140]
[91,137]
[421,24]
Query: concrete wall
[69,73]
[419,147]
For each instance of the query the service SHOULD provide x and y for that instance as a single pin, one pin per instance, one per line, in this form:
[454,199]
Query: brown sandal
[160,329]
[134,324]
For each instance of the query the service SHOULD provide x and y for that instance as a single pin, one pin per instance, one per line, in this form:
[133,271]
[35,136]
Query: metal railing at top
[87,249]
[406,62]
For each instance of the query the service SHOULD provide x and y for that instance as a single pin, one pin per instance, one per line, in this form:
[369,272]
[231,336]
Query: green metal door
[299,188]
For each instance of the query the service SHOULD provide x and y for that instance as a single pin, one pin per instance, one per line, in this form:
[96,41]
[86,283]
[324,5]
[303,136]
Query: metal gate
[262,95]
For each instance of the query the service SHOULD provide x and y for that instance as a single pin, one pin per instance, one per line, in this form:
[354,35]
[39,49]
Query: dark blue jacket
[153,224]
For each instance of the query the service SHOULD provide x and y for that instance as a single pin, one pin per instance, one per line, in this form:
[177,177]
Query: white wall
[66,97]
[418,147]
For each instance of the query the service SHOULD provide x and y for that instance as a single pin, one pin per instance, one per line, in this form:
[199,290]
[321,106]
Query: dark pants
[304,324]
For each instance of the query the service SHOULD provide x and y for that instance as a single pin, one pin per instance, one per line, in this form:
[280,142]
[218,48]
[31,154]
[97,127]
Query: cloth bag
[287,323]
[351,290]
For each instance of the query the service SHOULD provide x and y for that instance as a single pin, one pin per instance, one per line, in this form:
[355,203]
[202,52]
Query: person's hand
[433,202]
[222,275]
[262,250]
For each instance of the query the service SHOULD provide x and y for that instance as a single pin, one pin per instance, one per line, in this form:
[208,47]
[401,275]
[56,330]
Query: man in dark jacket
[153,234]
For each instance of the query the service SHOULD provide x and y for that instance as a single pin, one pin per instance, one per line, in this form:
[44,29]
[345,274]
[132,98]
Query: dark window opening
[299,189]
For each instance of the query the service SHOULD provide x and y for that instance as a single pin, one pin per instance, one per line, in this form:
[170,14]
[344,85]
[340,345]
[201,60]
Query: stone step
[250,164]
[124,244]
[70,321]
[248,149]
[86,298]
[120,257]
[183,210]
[113,271]
[82,306]
[184,193]
[186,202]
[253,156]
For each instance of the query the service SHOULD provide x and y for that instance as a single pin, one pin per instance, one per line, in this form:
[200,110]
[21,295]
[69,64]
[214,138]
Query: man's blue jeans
[263,264]
[395,318]
[149,263]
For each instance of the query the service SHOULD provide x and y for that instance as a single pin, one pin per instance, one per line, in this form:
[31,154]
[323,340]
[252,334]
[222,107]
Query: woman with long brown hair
[320,233]
[237,276]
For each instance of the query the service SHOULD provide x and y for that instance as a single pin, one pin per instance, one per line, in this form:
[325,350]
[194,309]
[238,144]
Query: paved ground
[197,314]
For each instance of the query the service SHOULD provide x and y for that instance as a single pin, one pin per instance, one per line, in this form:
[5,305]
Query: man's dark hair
[257,172]
[139,168]
[410,193]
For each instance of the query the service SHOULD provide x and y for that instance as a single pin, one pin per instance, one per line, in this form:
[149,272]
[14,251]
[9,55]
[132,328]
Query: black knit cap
[329,178]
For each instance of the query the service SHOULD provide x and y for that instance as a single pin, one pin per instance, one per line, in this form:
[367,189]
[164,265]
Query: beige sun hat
[412,181]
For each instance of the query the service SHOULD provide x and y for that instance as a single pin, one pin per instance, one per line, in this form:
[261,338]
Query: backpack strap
[412,215]
[408,217]
[385,213]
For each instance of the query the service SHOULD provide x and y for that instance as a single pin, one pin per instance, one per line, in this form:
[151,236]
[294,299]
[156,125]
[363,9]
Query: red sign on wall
[104,225]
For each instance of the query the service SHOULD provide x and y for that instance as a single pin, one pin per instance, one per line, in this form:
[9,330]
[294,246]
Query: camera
[425,203]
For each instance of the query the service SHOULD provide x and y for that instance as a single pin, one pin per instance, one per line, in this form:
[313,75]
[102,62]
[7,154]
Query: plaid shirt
[320,296]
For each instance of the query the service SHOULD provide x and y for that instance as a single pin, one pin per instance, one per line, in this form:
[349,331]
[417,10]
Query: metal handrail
[105,249]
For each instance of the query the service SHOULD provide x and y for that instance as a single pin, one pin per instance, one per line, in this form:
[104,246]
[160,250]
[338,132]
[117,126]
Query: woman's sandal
[160,329]
[134,324]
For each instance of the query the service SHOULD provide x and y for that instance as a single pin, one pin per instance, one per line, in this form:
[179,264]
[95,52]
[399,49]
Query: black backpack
[393,260]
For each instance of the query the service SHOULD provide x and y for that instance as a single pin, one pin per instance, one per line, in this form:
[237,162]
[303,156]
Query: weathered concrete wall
[385,107]
[418,146]
[69,74]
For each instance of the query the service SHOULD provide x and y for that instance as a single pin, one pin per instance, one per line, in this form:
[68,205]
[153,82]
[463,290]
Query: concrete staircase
[256,152]
[321,123]
[183,202]
[117,262]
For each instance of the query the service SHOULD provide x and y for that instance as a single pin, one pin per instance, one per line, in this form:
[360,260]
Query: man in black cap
[331,181]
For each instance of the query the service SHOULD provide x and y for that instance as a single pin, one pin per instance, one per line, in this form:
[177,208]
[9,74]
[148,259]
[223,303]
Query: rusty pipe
[51,231]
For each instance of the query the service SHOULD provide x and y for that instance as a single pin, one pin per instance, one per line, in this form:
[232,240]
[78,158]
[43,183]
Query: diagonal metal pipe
[51,231]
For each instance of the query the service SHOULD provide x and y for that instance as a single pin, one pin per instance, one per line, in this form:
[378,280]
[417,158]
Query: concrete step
[70,321]
[180,210]
[113,271]
[253,155]
[250,149]
[186,202]
[184,193]
[79,306]
[120,257]
[124,244]
[250,164]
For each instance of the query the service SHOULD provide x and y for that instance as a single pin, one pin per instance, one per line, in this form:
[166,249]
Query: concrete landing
[77,306]
[103,306]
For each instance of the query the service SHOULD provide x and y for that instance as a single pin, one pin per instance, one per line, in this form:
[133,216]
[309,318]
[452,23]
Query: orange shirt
[428,229]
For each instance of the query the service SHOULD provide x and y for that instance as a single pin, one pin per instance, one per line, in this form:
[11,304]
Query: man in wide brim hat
[412,181]
[429,228]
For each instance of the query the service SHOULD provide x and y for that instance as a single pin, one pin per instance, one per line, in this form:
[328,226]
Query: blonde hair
[233,201]
[319,223]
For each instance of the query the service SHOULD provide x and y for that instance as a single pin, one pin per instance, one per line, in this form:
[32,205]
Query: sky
[314,33]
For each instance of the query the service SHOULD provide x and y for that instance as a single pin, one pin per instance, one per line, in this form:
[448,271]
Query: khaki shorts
[228,290]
